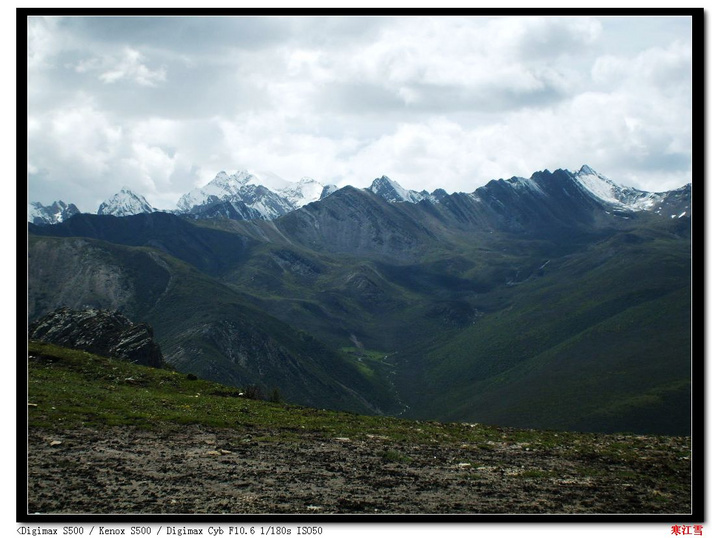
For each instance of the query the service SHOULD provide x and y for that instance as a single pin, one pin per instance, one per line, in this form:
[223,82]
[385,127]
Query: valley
[529,303]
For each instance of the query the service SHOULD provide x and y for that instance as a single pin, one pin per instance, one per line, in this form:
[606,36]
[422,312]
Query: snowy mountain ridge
[244,195]
[222,186]
[54,213]
[617,197]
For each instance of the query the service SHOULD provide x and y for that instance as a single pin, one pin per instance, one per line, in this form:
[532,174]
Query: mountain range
[556,301]
[242,196]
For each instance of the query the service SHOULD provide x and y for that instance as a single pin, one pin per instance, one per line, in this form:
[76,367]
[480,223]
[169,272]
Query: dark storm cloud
[217,35]
[181,35]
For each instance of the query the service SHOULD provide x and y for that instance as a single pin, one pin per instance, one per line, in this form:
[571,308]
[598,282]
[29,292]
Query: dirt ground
[208,471]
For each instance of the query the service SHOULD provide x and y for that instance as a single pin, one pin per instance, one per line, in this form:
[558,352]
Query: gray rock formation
[102,332]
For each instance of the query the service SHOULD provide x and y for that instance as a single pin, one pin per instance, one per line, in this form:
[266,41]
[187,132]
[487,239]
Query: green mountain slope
[203,326]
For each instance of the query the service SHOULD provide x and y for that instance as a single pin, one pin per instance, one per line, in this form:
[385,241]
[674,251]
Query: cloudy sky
[162,104]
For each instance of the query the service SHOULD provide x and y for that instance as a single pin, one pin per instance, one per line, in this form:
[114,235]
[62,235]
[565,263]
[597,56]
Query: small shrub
[253,392]
[394,456]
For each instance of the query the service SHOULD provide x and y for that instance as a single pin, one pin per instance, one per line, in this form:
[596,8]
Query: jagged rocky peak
[392,191]
[521,183]
[588,183]
[124,204]
[585,169]
[103,332]
[388,189]
[439,193]
[54,213]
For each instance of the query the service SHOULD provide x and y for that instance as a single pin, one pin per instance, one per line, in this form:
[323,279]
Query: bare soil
[214,471]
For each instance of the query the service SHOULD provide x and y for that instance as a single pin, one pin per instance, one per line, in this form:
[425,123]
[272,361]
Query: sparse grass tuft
[395,456]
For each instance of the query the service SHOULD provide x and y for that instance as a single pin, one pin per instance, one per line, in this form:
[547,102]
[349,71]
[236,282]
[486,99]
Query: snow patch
[606,190]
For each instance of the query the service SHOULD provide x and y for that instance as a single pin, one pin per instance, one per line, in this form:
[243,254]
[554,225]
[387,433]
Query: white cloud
[152,165]
[44,41]
[489,56]
[84,135]
[84,148]
[127,64]
[275,142]
[665,70]
[431,101]
[130,66]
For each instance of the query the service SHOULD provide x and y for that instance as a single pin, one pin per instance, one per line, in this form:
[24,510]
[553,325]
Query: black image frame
[699,381]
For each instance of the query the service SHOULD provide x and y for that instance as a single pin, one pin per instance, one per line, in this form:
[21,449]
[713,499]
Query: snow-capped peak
[124,204]
[221,187]
[268,194]
[53,214]
[303,192]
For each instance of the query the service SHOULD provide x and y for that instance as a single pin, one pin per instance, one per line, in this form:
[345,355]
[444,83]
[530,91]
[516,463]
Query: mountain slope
[211,251]
[356,222]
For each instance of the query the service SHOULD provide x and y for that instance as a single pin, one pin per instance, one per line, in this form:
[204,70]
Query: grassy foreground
[82,407]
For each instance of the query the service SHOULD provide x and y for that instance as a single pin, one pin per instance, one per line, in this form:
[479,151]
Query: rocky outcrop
[102,332]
